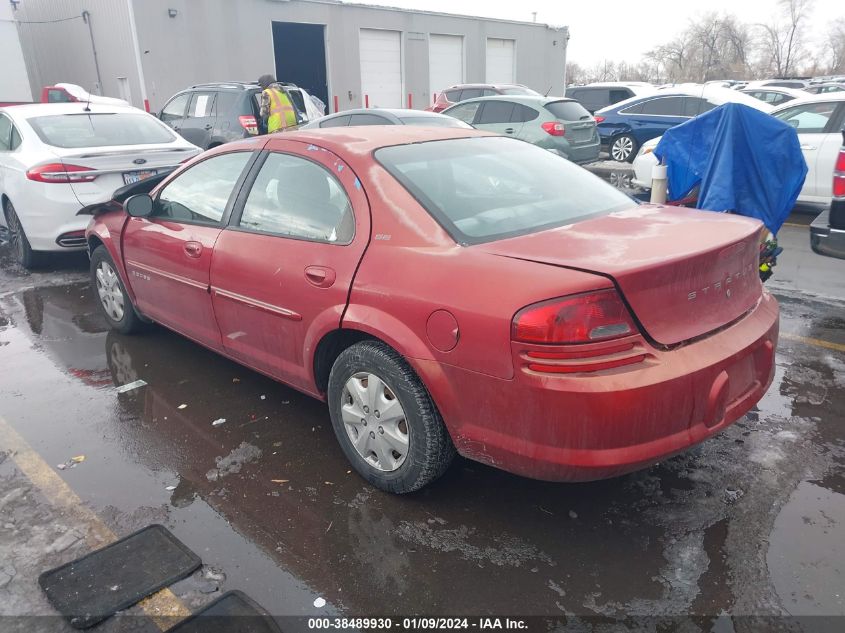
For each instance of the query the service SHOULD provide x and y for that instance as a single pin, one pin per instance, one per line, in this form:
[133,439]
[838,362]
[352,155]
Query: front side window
[201,193]
[470,93]
[100,129]
[335,121]
[294,197]
[453,95]
[810,118]
[368,119]
[465,112]
[175,109]
[487,188]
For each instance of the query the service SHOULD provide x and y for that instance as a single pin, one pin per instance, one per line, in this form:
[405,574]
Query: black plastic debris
[92,588]
[233,612]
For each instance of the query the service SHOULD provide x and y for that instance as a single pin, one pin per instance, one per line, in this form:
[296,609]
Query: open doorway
[300,51]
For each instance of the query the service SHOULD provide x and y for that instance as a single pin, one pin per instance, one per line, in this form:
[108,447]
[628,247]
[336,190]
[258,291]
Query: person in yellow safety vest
[277,111]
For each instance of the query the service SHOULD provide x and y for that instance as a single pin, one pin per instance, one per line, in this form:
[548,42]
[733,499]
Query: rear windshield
[518,90]
[434,121]
[100,129]
[568,110]
[488,188]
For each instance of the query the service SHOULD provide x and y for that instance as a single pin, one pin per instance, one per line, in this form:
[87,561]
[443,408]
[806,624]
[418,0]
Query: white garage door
[445,61]
[381,68]
[500,61]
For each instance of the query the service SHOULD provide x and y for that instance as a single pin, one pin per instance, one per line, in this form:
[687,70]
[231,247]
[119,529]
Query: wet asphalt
[750,523]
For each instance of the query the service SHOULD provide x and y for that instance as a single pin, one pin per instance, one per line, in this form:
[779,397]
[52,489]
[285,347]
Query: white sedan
[817,119]
[56,158]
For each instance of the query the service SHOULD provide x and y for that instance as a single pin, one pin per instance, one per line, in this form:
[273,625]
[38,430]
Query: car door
[496,115]
[283,268]
[200,119]
[168,255]
[173,113]
[816,125]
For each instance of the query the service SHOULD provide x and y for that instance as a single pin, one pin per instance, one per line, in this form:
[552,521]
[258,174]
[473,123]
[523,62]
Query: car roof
[362,140]
[78,107]
[717,94]
[535,100]
[397,112]
[811,98]
[487,86]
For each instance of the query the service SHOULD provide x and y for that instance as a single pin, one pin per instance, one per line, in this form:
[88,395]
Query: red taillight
[249,123]
[598,119]
[839,176]
[58,172]
[554,128]
[581,318]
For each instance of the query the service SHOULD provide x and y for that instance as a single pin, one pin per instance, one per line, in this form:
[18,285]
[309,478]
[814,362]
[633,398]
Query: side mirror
[139,206]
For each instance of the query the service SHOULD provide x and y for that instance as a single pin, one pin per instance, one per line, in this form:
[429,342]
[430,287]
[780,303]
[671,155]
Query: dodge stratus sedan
[447,290]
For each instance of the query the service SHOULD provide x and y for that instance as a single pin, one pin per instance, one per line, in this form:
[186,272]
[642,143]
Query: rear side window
[465,112]
[175,109]
[434,121]
[470,93]
[693,106]
[368,119]
[486,188]
[201,193]
[97,129]
[567,110]
[665,106]
[522,113]
[232,104]
[453,95]
[338,121]
[619,94]
[202,106]
[295,197]
[487,92]
[495,112]
[56,95]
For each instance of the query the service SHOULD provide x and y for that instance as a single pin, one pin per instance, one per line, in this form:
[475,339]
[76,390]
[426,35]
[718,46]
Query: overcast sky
[618,29]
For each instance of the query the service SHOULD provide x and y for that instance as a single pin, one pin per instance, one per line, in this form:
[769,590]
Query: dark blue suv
[624,126]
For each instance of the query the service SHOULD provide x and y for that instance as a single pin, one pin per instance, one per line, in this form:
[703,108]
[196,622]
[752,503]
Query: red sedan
[448,290]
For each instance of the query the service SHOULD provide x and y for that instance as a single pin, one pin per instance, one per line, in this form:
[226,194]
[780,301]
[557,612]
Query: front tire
[623,148]
[24,255]
[114,301]
[385,420]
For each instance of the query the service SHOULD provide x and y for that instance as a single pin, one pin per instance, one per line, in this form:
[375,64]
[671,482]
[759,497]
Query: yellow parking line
[816,342]
[163,606]
[800,226]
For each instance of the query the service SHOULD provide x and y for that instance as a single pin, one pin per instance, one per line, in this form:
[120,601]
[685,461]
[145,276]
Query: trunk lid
[121,165]
[683,272]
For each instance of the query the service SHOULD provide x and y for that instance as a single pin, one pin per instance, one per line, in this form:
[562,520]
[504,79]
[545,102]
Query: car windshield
[434,121]
[519,90]
[488,188]
[100,129]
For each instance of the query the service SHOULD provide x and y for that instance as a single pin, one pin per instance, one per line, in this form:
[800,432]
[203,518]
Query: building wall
[217,40]
[14,83]
[57,45]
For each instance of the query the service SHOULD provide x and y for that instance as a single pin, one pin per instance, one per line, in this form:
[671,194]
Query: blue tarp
[745,160]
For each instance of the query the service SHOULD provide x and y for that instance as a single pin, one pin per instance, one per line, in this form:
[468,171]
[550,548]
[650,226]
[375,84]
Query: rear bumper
[581,427]
[825,240]
[48,212]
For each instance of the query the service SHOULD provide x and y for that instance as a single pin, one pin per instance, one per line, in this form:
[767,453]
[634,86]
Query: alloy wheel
[375,421]
[622,148]
[16,234]
[108,287]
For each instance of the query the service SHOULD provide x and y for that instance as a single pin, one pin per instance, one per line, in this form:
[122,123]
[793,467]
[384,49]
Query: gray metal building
[346,54]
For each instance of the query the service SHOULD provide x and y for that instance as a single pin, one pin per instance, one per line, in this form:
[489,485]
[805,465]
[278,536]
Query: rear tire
[623,148]
[114,301]
[24,255]
[385,420]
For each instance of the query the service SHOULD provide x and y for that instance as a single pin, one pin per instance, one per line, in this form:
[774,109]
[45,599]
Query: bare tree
[832,61]
[784,37]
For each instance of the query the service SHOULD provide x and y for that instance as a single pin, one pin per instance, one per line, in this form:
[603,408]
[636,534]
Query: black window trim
[227,211]
[233,222]
[13,128]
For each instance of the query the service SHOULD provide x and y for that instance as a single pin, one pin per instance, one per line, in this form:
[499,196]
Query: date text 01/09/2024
[417,623]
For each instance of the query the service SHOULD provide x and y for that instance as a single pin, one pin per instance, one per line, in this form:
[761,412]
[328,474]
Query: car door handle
[193,249]
[208,127]
[804,146]
[320,276]
[509,130]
